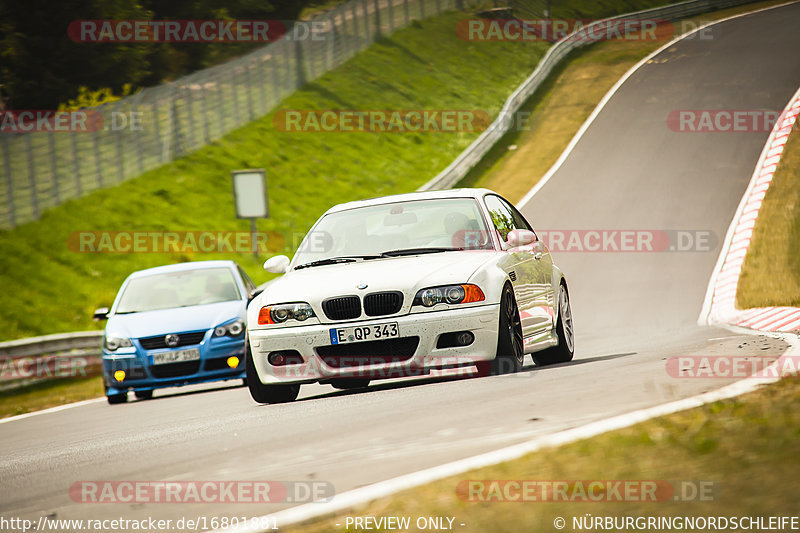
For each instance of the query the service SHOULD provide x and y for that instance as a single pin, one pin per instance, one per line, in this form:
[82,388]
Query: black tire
[510,351]
[265,393]
[350,383]
[143,394]
[563,352]
[114,399]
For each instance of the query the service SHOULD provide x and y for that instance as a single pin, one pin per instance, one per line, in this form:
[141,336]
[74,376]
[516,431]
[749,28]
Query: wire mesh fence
[43,169]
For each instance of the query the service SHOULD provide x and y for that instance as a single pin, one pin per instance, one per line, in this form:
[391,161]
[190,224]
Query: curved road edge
[362,495]
[719,305]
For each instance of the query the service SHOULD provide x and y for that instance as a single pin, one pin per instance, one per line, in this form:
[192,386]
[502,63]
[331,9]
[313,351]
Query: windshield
[423,225]
[178,289]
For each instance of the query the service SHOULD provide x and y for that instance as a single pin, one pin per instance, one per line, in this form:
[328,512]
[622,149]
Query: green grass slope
[47,287]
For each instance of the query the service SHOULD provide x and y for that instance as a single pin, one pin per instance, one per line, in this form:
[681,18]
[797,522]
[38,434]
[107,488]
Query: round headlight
[301,312]
[112,343]
[235,329]
[220,331]
[431,297]
[454,295]
[280,314]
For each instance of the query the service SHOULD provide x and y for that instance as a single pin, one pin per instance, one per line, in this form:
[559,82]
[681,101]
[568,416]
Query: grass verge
[48,394]
[743,450]
[771,271]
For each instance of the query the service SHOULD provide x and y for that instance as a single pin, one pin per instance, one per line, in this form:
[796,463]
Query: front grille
[342,308]
[184,339]
[383,303]
[174,370]
[368,353]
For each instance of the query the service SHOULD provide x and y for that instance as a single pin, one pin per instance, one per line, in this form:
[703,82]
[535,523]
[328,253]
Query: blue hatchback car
[175,325]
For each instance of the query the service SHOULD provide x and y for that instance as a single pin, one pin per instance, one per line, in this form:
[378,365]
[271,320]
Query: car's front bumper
[139,368]
[481,321]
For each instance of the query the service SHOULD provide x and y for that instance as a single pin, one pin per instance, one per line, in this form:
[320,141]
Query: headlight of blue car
[112,343]
[234,329]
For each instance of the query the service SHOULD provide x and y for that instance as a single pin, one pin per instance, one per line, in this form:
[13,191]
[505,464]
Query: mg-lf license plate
[177,356]
[364,333]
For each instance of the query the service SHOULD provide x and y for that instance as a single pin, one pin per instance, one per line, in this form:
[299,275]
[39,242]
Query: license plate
[177,356]
[364,333]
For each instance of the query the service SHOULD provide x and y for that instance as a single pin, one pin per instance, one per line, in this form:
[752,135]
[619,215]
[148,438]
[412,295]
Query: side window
[248,283]
[503,217]
[519,220]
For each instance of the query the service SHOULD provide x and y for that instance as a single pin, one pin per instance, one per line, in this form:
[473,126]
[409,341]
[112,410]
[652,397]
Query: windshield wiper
[415,251]
[335,260]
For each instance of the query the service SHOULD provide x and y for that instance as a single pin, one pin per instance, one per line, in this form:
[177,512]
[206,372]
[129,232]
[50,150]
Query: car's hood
[161,322]
[407,274]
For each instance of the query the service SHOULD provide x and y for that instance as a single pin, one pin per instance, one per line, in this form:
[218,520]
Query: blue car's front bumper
[141,374]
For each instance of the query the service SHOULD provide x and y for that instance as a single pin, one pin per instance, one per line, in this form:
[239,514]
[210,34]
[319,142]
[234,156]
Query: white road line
[362,495]
[51,410]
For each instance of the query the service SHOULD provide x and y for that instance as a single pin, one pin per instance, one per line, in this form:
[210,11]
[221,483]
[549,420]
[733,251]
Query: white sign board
[250,193]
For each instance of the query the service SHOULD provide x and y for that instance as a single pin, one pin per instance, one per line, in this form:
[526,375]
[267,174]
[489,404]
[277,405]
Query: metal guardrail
[63,355]
[476,151]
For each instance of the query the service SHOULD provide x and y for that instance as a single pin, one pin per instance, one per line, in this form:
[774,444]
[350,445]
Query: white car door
[529,268]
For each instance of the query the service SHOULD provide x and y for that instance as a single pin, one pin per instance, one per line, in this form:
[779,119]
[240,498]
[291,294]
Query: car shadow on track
[379,386]
[473,374]
[178,392]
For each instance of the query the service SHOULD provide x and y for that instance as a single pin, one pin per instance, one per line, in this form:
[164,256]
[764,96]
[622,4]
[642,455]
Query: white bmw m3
[400,285]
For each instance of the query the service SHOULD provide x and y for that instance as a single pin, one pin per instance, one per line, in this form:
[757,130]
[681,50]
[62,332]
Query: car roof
[409,197]
[182,267]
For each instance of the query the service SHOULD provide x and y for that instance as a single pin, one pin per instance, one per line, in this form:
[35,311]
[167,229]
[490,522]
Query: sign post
[250,198]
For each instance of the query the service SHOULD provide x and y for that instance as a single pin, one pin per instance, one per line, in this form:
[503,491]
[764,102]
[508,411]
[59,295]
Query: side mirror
[253,295]
[277,265]
[100,314]
[521,237]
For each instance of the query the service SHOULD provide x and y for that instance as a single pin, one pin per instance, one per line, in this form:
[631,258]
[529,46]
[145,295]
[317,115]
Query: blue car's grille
[184,339]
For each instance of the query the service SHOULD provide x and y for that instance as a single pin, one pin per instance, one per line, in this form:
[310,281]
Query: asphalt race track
[632,310]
